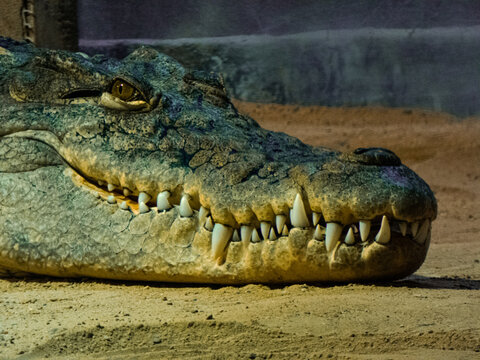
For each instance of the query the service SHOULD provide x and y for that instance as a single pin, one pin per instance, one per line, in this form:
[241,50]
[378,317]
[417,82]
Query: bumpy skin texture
[65,135]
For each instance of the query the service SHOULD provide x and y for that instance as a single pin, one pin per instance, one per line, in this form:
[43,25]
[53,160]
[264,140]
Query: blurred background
[396,53]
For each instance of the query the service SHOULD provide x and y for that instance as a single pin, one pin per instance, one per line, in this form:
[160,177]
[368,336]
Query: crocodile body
[138,169]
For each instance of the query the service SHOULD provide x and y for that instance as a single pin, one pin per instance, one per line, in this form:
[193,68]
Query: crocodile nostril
[375,156]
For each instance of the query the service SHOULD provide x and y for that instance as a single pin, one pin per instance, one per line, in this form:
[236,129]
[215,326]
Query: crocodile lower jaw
[230,247]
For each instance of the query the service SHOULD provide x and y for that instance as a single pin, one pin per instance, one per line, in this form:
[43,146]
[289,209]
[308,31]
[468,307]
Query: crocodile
[141,169]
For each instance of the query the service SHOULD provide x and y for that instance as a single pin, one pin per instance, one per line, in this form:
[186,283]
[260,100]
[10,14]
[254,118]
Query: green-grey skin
[64,137]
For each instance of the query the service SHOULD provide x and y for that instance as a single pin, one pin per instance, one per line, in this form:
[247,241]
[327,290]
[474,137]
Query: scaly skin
[81,169]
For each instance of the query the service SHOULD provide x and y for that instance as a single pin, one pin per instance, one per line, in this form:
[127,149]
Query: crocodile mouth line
[360,233]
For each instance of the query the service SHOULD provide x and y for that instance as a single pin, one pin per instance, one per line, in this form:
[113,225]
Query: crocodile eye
[124,91]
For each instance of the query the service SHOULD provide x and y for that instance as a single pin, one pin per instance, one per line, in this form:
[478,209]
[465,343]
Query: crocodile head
[140,169]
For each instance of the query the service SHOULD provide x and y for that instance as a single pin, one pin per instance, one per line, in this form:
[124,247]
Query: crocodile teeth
[185,209]
[126,192]
[332,235]
[318,233]
[143,197]
[246,233]
[235,236]
[383,235]
[209,224]
[272,235]
[220,236]
[316,218]
[265,229]
[162,201]
[123,205]
[111,199]
[403,228]
[364,229]
[423,232]
[202,214]
[285,230]
[279,222]
[415,228]
[101,182]
[255,236]
[110,187]
[143,208]
[298,215]
[350,239]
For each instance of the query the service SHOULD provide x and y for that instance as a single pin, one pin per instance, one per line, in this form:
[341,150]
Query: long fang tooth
[235,236]
[350,239]
[423,232]
[415,228]
[110,187]
[126,192]
[220,236]
[298,215]
[364,229]
[316,218]
[279,222]
[318,233]
[255,236]
[162,201]
[285,230]
[265,229]
[111,199]
[272,235]
[246,233]
[209,224]
[383,236]
[143,208]
[403,228]
[332,235]
[123,205]
[143,197]
[185,209]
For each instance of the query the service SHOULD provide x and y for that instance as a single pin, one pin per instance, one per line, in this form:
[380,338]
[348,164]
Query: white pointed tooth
[285,230]
[318,233]
[111,199]
[162,201]
[143,197]
[110,187]
[184,208]
[403,228]
[350,239]
[298,215]
[316,218]
[246,233]
[415,228]
[202,214]
[332,235]
[126,192]
[101,182]
[209,224]
[272,235]
[383,235]
[235,236]
[123,205]
[220,236]
[364,229]
[143,208]
[265,229]
[255,236]
[423,232]
[279,222]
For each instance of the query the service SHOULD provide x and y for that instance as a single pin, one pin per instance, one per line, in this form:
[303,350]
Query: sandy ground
[434,313]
